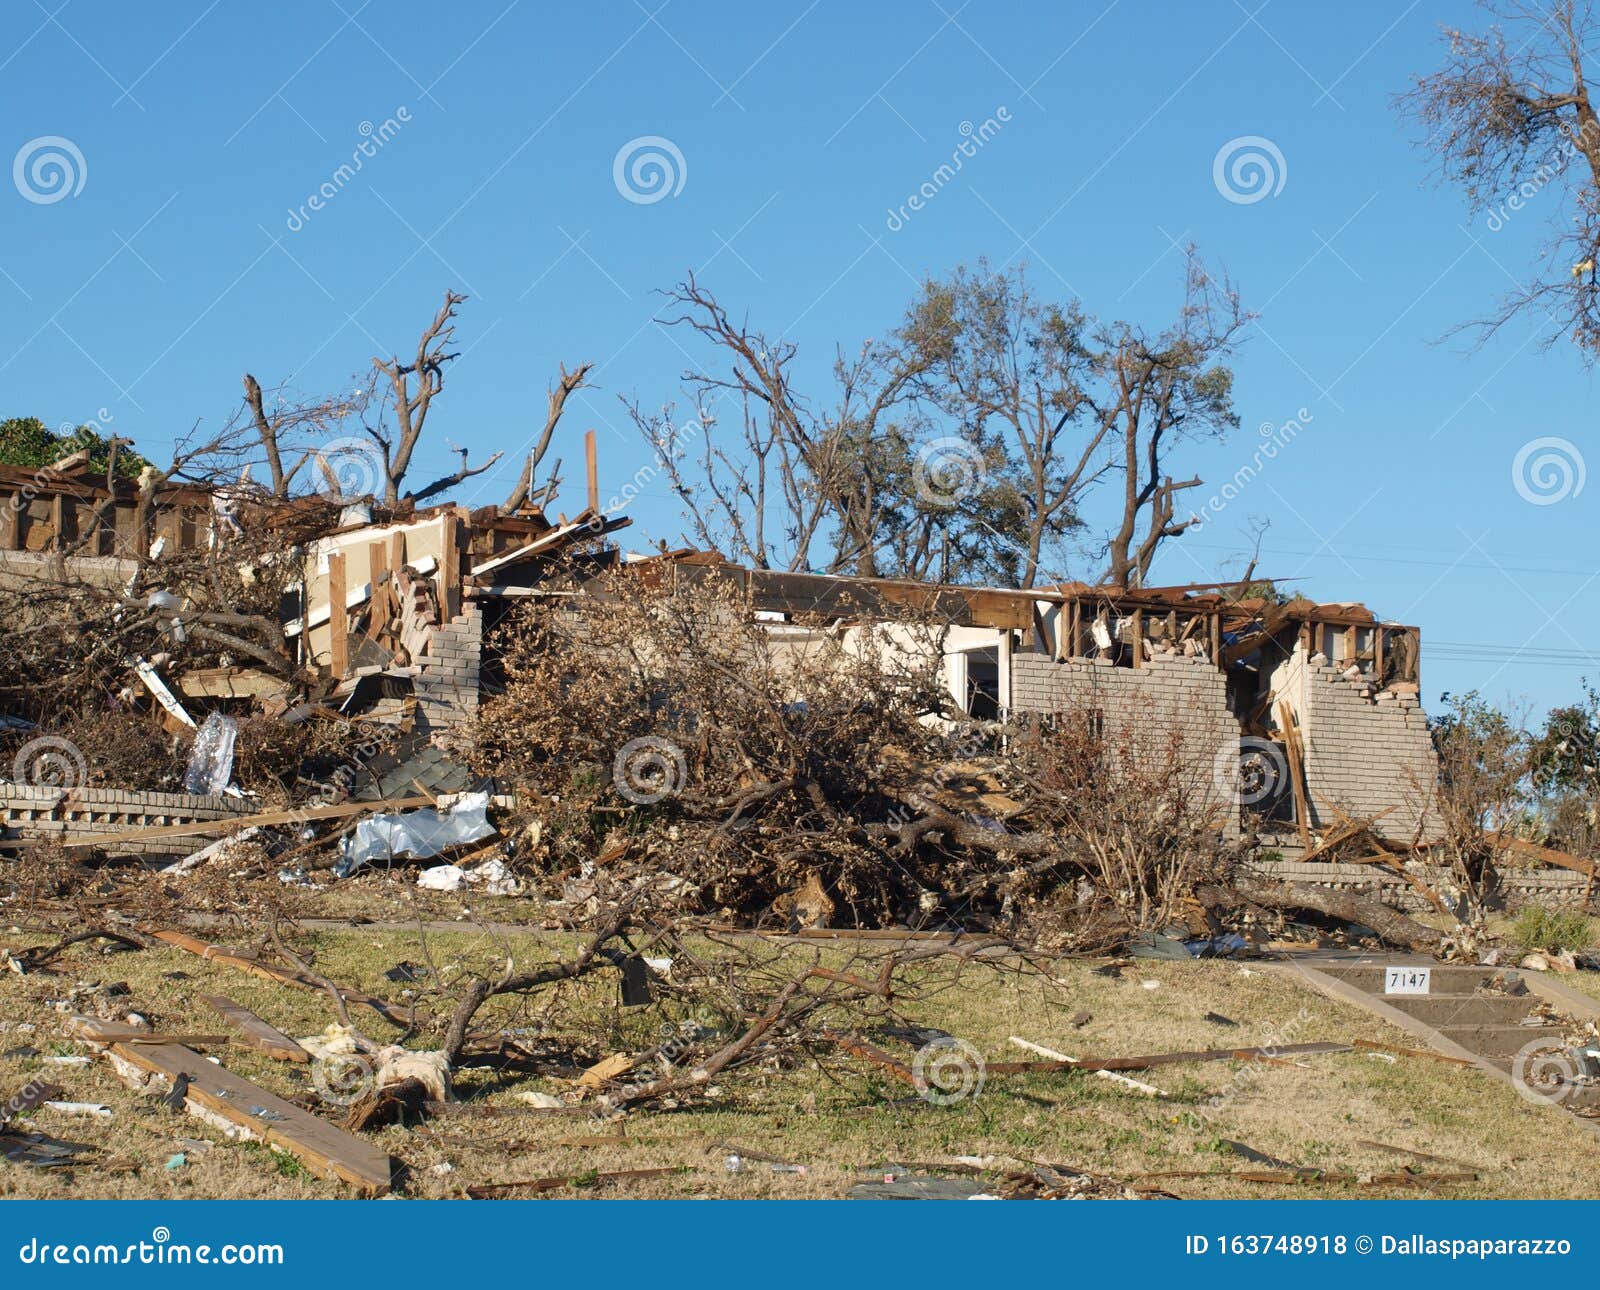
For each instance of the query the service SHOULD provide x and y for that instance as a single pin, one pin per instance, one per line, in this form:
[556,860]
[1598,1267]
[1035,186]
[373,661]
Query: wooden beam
[255,1032]
[382,590]
[450,569]
[230,683]
[216,1092]
[1297,772]
[592,467]
[338,617]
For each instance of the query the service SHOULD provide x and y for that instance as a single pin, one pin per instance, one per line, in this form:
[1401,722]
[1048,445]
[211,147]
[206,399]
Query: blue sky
[203,128]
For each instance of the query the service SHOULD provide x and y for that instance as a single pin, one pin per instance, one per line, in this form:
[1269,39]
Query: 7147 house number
[1406,980]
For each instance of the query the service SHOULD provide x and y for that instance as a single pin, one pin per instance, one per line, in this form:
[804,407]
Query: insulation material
[416,833]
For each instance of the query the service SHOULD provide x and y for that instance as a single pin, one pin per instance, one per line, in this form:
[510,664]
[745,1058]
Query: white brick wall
[1171,696]
[447,686]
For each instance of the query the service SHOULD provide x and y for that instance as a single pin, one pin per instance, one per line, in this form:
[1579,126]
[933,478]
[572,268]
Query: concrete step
[1475,1009]
[1497,1042]
[1447,978]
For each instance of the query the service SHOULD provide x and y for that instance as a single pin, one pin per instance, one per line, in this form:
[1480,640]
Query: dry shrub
[745,758]
[1134,805]
[818,769]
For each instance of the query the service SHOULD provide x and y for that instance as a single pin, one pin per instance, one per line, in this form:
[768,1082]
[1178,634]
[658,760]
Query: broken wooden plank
[283,976]
[592,470]
[1297,773]
[1127,1081]
[338,620]
[1561,859]
[1166,1059]
[255,1032]
[158,688]
[216,1094]
[230,683]
[104,1033]
[1375,1046]
[303,815]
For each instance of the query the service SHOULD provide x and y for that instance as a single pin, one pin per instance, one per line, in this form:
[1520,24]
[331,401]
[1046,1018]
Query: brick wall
[447,686]
[1551,888]
[42,814]
[1147,706]
[1366,751]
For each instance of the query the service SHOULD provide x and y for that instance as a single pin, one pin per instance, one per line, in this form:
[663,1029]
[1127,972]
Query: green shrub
[1537,928]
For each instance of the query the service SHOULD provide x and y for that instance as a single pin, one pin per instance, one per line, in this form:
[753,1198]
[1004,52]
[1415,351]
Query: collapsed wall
[1368,751]
[447,686]
[33,813]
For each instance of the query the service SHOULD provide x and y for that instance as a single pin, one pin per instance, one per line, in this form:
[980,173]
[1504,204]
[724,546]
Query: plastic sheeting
[416,833]
[211,759]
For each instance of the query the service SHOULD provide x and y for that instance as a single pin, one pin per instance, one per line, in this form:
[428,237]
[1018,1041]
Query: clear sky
[185,258]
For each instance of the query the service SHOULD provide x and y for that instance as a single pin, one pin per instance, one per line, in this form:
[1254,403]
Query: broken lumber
[255,1032]
[1561,859]
[240,1108]
[303,815]
[1375,1046]
[1127,1081]
[104,1033]
[283,976]
[1165,1059]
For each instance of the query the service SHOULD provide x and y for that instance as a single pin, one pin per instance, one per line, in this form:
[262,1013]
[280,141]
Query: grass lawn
[836,1122]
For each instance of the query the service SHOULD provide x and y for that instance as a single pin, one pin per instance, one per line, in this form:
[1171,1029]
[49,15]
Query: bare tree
[557,402]
[1021,364]
[1507,115]
[800,475]
[1155,391]
[288,424]
[413,387]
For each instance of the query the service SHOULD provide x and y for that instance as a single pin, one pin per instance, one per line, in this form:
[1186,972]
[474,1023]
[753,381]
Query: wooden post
[338,643]
[382,592]
[450,568]
[1215,628]
[11,522]
[1377,655]
[1138,638]
[591,464]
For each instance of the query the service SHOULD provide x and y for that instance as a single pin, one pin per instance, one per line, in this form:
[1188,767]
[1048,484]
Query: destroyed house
[1308,713]
[1317,705]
